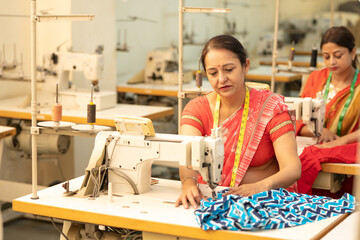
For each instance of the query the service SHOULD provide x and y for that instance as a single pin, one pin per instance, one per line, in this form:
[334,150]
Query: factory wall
[15,30]
[252,19]
[114,23]
[143,24]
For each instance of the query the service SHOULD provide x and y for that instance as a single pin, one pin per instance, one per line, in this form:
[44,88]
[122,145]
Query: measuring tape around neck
[241,132]
[348,100]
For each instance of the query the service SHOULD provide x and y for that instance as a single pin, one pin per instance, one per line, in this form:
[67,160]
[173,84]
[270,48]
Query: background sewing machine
[126,156]
[312,113]
[161,67]
[58,68]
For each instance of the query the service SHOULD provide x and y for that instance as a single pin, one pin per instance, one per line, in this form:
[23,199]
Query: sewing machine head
[90,64]
[310,111]
[125,157]
[74,92]
[162,67]
[160,64]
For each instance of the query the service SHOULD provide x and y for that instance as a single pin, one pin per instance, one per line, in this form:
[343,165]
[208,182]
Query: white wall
[16,31]
[86,36]
[254,16]
[80,36]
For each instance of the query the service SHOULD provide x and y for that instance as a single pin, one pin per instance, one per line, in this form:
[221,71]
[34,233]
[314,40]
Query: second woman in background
[339,83]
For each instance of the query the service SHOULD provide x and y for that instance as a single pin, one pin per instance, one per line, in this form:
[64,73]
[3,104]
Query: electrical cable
[127,178]
[61,232]
[97,182]
[121,231]
[135,235]
[121,174]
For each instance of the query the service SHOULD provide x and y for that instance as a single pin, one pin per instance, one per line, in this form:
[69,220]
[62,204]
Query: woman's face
[225,72]
[337,58]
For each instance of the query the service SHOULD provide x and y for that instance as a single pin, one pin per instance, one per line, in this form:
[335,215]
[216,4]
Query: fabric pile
[273,209]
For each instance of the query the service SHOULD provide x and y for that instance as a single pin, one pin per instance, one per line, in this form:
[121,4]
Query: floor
[30,229]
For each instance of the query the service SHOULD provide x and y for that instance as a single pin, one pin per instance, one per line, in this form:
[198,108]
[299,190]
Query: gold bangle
[182,181]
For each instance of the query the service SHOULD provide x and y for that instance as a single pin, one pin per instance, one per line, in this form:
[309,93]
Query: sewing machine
[125,156]
[310,111]
[60,65]
[162,67]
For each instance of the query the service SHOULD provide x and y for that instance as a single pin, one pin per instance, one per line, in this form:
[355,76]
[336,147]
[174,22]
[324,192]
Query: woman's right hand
[191,194]
[327,136]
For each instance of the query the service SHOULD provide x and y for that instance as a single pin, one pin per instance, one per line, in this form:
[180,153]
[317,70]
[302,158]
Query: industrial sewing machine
[124,157]
[61,64]
[162,67]
[310,111]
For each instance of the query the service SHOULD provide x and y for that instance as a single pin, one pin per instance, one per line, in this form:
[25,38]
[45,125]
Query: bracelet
[182,181]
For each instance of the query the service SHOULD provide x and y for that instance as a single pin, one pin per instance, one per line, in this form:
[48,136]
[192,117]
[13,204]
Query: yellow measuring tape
[241,134]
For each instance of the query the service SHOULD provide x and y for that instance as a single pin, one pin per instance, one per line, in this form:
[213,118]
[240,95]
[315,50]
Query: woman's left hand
[246,190]
[327,136]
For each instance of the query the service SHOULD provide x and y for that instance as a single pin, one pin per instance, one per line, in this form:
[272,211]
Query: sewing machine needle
[213,193]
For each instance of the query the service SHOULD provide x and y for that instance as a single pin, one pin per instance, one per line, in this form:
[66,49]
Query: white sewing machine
[162,67]
[310,111]
[125,156]
[71,97]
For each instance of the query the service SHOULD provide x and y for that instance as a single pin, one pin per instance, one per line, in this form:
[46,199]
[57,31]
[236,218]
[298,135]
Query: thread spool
[56,112]
[291,55]
[313,60]
[91,108]
[56,109]
[91,113]
[198,79]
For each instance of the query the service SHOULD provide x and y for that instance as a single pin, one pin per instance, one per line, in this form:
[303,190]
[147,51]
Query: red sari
[268,119]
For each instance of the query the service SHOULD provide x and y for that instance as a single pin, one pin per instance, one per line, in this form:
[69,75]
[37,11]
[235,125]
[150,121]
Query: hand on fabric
[327,136]
[338,142]
[190,194]
[246,190]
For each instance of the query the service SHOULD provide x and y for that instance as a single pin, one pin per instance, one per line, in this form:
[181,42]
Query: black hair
[340,36]
[224,42]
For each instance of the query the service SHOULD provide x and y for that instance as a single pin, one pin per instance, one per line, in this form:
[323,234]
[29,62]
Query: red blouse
[197,113]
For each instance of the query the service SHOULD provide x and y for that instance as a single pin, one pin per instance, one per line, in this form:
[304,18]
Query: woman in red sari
[339,84]
[258,134]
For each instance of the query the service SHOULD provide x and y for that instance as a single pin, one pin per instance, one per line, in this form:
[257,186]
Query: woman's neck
[233,103]
[343,79]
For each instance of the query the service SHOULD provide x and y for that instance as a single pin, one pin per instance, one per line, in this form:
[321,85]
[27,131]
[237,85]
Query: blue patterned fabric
[273,209]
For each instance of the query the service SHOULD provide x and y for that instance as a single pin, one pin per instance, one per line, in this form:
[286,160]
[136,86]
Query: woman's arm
[289,168]
[347,139]
[190,191]
[325,136]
